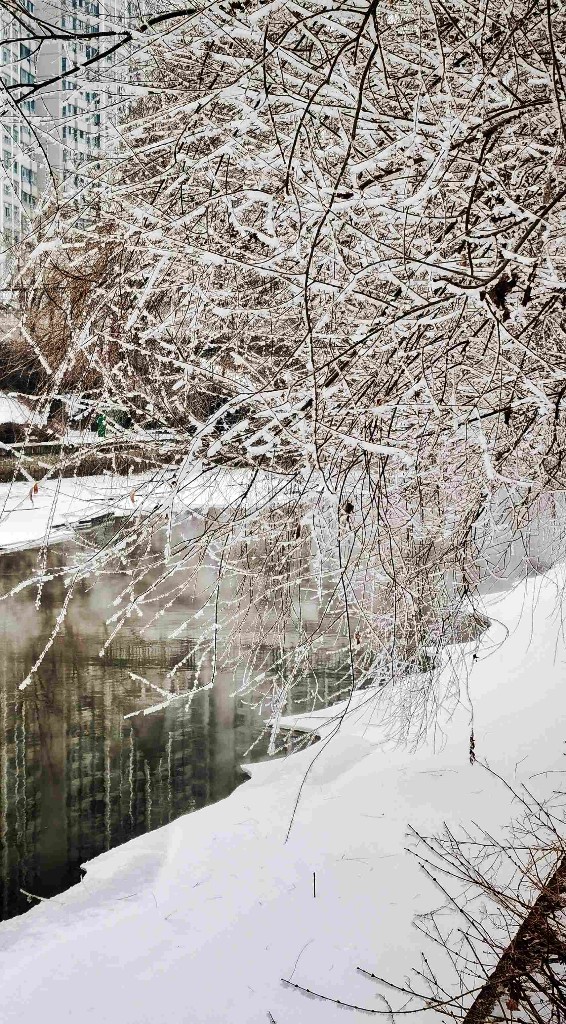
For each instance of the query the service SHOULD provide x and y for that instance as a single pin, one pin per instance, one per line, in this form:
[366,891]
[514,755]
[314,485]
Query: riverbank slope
[201,920]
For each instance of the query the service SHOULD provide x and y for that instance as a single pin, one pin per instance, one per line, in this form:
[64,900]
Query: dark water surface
[76,777]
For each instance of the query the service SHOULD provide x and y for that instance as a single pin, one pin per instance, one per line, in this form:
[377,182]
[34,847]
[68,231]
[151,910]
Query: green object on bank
[101,425]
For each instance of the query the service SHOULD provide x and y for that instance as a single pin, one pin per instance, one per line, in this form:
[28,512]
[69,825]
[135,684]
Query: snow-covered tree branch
[330,246]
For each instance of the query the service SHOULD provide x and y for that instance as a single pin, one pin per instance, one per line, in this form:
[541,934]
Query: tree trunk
[534,941]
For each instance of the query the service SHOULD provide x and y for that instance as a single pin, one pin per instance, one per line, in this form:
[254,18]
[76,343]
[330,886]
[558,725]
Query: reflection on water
[76,777]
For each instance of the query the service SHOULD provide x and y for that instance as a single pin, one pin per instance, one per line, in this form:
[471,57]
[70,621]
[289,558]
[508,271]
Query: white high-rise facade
[19,167]
[45,138]
[74,113]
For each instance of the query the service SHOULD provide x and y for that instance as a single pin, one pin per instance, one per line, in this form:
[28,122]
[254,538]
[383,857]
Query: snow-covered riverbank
[201,920]
[31,517]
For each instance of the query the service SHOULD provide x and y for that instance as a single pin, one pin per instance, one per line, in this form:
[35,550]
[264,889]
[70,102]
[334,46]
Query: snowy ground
[199,921]
[50,515]
[13,410]
[28,519]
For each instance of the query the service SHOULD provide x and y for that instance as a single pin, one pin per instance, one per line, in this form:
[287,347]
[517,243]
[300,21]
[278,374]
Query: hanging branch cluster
[331,246]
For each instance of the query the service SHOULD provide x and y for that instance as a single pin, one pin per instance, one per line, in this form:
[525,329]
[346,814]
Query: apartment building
[74,116]
[19,168]
[46,138]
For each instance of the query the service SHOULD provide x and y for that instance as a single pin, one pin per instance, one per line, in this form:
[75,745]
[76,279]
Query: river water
[76,776]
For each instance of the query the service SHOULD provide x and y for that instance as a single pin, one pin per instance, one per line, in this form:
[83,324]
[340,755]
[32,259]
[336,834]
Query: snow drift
[200,920]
